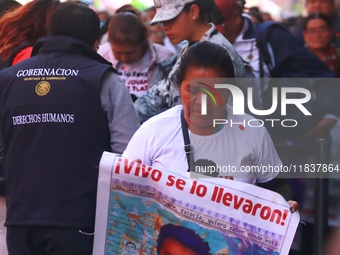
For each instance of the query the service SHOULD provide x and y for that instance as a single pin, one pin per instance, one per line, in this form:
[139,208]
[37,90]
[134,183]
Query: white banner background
[135,200]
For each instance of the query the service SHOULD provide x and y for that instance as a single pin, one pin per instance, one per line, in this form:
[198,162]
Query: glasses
[317,30]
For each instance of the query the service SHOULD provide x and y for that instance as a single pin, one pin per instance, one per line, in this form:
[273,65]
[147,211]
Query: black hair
[256,14]
[204,54]
[127,28]
[183,235]
[75,20]
[205,6]
[317,15]
[216,16]
[7,5]
[240,5]
[254,9]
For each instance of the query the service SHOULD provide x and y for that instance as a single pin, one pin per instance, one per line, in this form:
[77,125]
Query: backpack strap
[262,46]
[261,63]
[262,32]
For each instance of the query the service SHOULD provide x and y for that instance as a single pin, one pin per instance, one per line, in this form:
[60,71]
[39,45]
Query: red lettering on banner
[139,169]
[179,183]
[240,203]
[127,167]
[257,206]
[200,189]
[142,88]
[219,194]
[137,82]
[247,207]
[145,172]
[171,181]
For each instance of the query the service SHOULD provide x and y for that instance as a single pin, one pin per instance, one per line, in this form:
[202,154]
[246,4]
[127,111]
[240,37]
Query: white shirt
[247,49]
[135,75]
[159,143]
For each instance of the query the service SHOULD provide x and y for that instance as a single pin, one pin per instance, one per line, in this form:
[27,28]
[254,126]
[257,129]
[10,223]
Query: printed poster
[141,210]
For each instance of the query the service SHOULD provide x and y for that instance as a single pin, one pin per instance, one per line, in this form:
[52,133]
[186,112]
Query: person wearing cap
[187,20]
[183,20]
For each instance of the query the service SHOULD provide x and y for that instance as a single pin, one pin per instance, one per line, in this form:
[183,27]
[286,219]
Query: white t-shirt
[159,143]
[248,50]
[135,75]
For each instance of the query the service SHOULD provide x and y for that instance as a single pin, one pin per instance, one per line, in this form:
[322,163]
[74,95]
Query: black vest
[55,131]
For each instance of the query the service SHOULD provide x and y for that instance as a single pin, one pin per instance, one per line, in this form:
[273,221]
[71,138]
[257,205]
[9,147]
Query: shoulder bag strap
[187,146]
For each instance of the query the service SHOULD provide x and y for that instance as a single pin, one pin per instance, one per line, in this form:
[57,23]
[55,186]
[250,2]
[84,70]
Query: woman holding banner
[185,139]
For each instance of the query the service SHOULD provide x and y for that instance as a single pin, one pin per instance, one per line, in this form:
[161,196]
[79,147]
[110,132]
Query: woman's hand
[293,206]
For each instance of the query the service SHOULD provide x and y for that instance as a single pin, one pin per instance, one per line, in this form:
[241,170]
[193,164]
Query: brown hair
[25,24]
[127,28]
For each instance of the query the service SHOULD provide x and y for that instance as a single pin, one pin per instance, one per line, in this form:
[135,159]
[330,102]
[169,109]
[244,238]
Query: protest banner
[136,201]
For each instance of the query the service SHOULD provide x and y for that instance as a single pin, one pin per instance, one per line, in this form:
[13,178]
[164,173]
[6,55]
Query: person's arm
[140,146]
[117,103]
[279,185]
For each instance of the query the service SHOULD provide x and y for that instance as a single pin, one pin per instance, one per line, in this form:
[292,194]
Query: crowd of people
[76,82]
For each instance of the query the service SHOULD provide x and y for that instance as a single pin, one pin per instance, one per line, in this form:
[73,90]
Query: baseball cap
[168,9]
